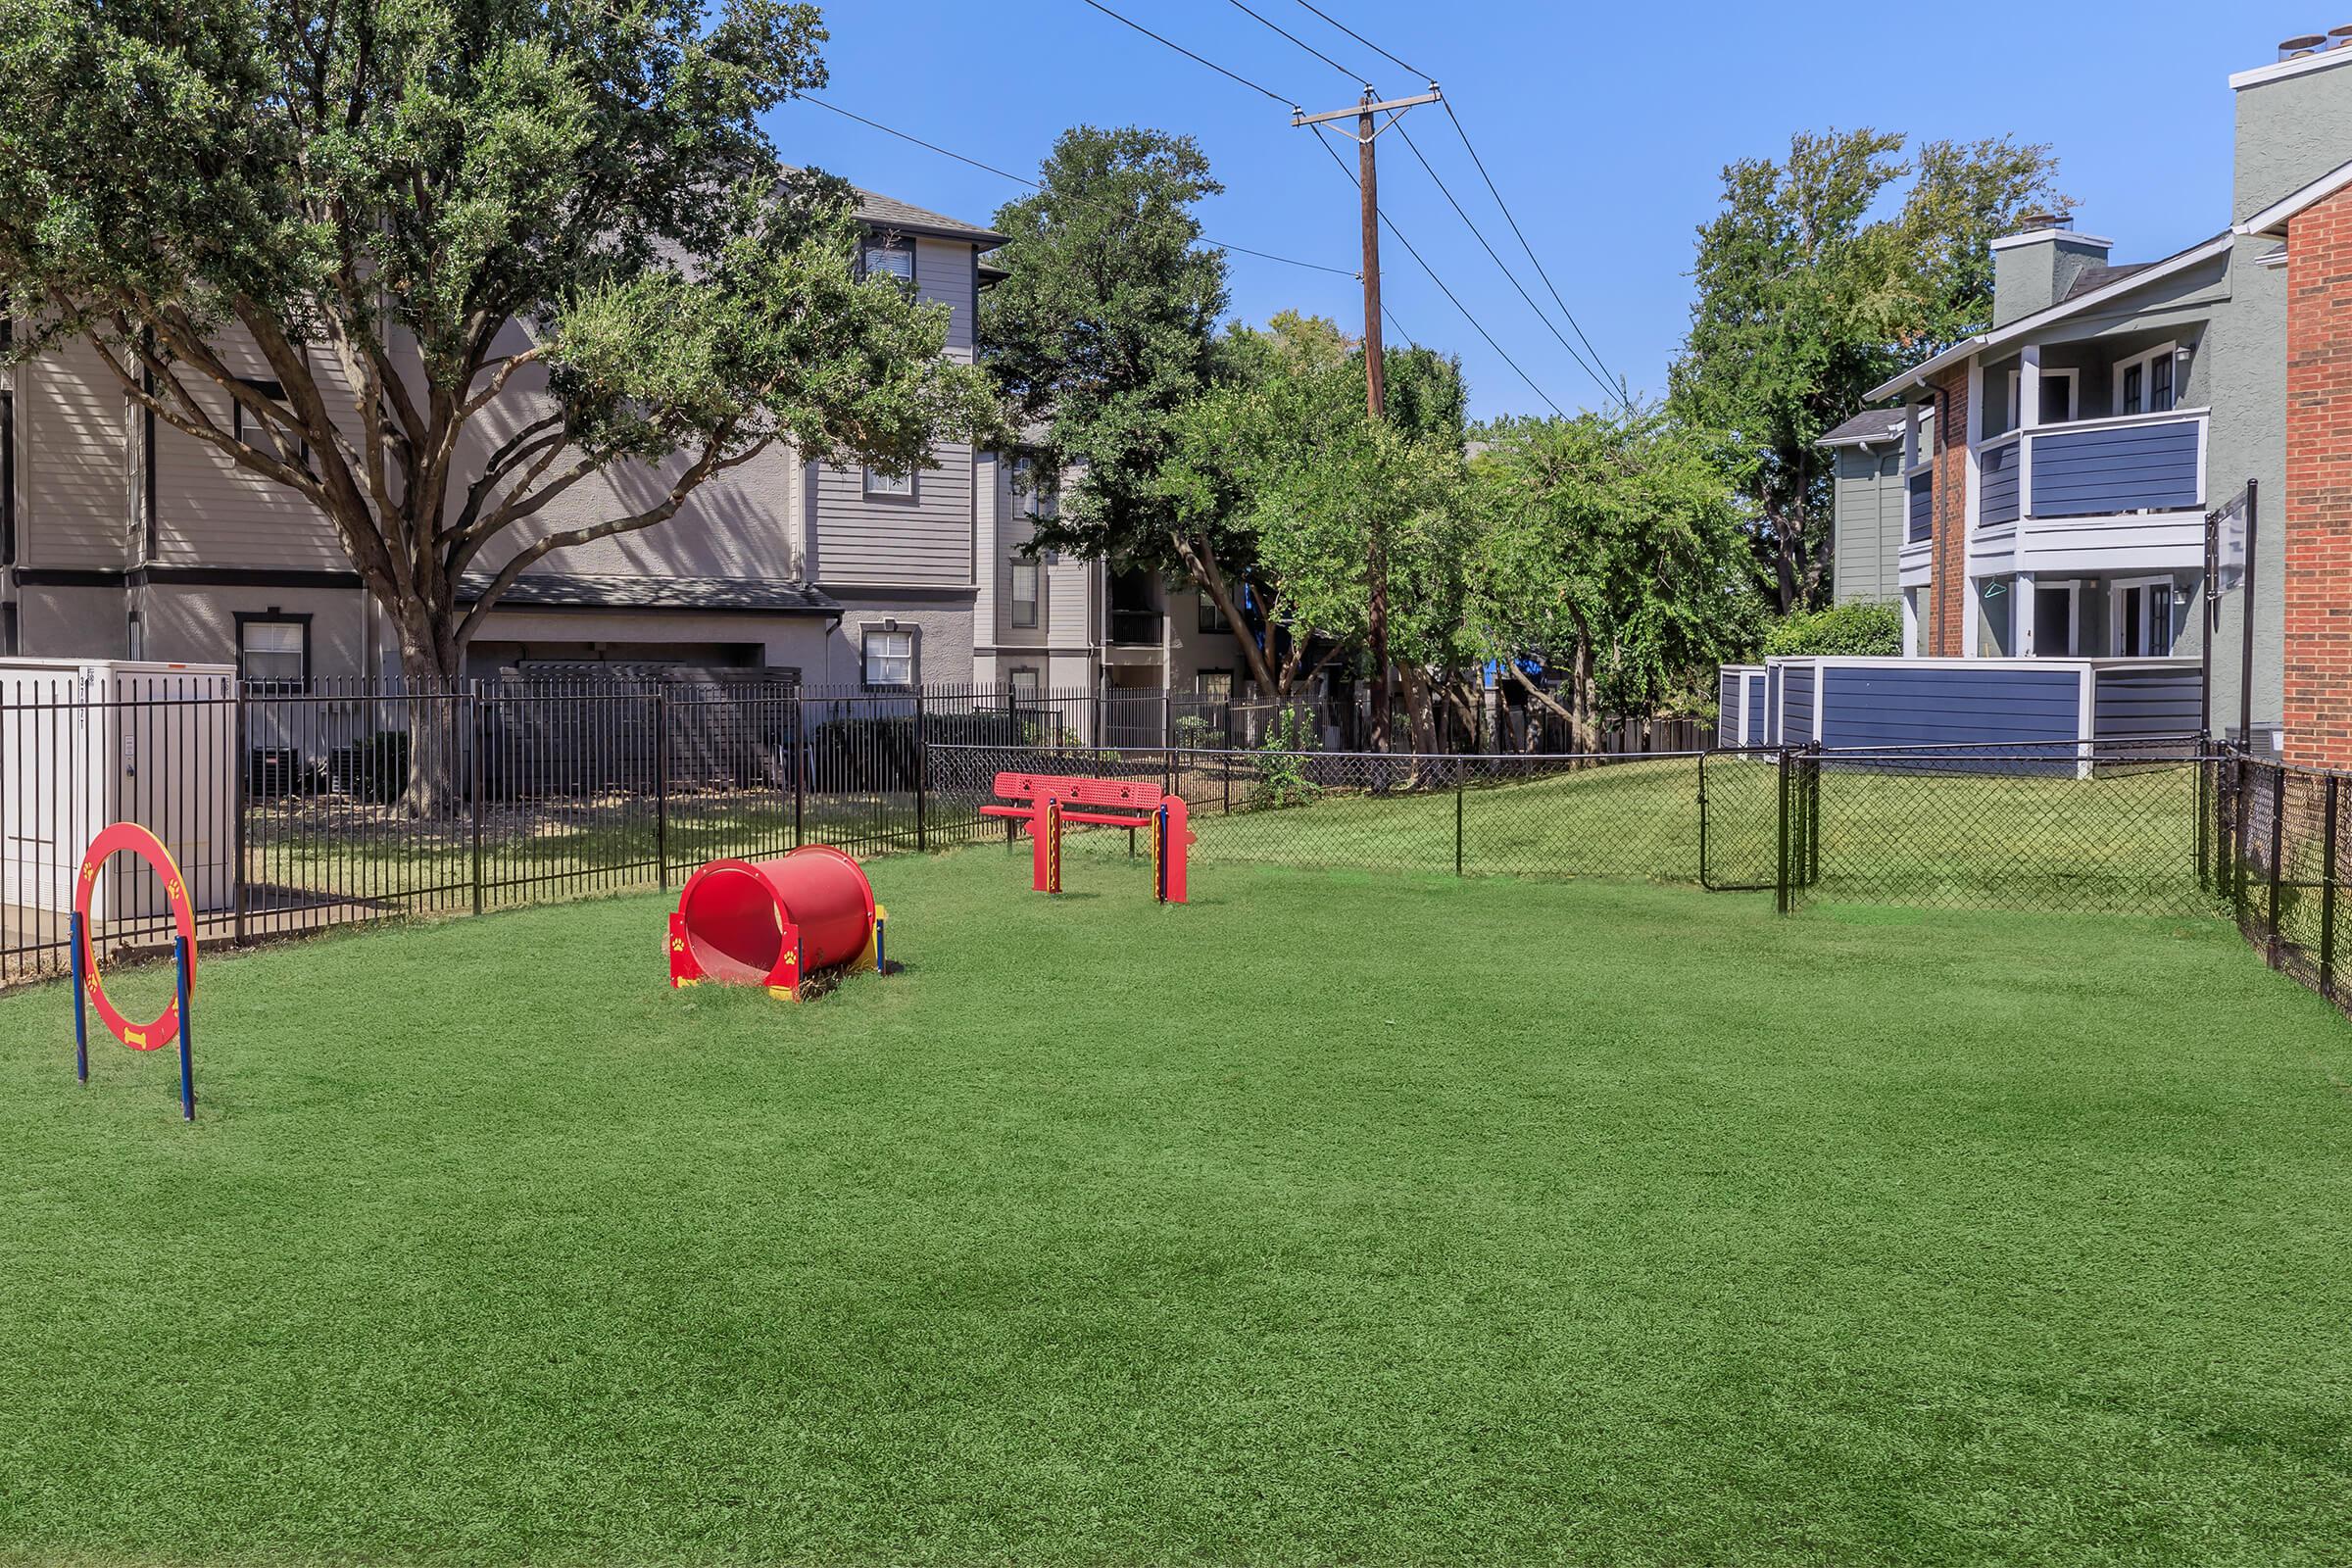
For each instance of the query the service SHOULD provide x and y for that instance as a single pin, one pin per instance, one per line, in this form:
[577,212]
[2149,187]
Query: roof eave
[1917,377]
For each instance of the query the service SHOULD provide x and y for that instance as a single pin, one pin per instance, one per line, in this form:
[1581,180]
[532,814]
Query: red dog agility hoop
[130,838]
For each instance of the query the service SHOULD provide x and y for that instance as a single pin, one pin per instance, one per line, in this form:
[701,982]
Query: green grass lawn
[1336,1218]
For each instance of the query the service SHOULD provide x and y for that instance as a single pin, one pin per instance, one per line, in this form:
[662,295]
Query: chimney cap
[2301,44]
[2039,218]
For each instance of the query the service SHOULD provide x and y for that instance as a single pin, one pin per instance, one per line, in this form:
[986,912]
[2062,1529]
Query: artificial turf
[1337,1218]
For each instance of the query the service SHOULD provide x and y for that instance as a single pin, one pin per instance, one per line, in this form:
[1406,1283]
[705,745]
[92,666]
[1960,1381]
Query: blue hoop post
[81,1006]
[181,960]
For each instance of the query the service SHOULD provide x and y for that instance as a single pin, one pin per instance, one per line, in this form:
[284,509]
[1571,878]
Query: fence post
[661,785]
[1780,866]
[2278,850]
[2327,894]
[2243,853]
[243,765]
[1813,815]
[800,765]
[922,771]
[481,727]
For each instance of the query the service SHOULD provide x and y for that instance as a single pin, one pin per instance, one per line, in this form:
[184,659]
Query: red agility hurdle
[1048,801]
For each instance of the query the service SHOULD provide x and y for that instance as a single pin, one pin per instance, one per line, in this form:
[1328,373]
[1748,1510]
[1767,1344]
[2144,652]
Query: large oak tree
[407,205]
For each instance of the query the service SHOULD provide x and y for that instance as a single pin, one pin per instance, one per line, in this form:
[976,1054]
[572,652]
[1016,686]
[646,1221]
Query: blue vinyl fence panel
[1756,708]
[1727,708]
[1996,491]
[2131,703]
[2083,473]
[1796,726]
[1949,705]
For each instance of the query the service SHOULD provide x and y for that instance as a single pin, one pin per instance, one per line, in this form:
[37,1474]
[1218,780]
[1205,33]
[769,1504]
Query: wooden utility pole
[1376,398]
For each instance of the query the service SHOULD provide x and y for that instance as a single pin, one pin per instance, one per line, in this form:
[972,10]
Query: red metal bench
[1046,800]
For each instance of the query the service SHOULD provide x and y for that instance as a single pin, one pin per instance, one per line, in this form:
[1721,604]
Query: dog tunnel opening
[734,925]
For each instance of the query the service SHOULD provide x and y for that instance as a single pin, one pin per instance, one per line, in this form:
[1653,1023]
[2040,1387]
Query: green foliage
[1857,630]
[1807,301]
[1106,328]
[1283,462]
[1282,760]
[1608,550]
[402,205]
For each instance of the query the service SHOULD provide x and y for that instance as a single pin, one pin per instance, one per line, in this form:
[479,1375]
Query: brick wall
[2318,630]
[1949,602]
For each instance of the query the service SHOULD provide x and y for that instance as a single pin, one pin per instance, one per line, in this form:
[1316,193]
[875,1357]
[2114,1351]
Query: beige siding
[73,463]
[209,511]
[924,542]
[943,275]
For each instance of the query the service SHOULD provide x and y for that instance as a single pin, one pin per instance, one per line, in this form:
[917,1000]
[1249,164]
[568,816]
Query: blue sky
[1605,126]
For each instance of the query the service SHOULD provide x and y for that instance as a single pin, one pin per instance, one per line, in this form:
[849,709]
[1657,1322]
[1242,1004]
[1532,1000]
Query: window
[891,256]
[1038,501]
[1024,591]
[1212,619]
[273,652]
[1023,680]
[889,658]
[2061,398]
[892,487]
[2143,617]
[2144,384]
[246,427]
[1216,684]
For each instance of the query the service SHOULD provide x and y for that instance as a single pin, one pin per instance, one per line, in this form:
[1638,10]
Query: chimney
[2295,118]
[2034,267]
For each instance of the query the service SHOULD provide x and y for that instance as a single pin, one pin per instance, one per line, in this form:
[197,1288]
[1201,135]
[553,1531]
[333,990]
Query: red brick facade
[2318,630]
[1949,596]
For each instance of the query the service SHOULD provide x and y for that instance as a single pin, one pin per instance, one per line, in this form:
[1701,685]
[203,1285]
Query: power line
[1341,165]
[1356,76]
[1540,314]
[1023,180]
[1288,103]
[1524,245]
[1366,42]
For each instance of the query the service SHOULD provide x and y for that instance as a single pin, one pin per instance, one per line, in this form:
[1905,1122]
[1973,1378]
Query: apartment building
[2041,490]
[121,537]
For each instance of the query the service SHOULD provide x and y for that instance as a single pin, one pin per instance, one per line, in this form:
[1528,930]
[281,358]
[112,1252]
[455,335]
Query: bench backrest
[1141,794]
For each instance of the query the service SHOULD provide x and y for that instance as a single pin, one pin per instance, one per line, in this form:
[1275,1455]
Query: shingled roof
[887,212]
[1871,424]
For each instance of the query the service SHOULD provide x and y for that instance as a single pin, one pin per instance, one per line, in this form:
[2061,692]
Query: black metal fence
[299,810]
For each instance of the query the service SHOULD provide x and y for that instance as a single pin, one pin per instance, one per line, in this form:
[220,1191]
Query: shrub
[1854,630]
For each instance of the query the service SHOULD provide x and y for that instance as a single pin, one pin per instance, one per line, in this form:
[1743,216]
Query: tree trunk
[1584,730]
[432,674]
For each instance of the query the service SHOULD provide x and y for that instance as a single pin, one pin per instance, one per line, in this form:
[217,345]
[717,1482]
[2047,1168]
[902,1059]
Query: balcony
[2092,494]
[1134,628]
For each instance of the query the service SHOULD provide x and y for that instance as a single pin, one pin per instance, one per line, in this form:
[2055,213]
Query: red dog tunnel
[773,922]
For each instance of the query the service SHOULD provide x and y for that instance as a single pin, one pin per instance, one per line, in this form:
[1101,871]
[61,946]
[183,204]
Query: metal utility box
[88,742]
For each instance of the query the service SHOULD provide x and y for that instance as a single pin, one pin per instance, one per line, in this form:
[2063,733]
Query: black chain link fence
[294,813]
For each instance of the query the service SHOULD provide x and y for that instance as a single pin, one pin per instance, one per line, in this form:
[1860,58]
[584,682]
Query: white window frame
[1037,503]
[881,486]
[1022,682]
[2124,586]
[2145,364]
[1030,604]
[271,437]
[889,245]
[866,639]
[301,627]
[2074,396]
